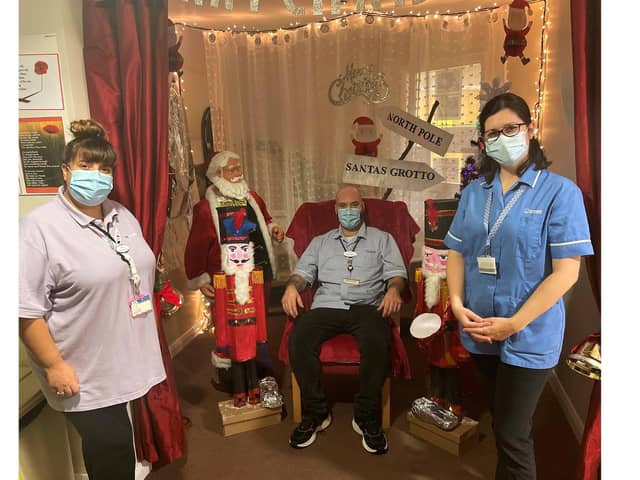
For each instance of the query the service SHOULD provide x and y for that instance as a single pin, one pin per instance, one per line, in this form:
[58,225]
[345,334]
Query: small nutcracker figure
[443,349]
[239,313]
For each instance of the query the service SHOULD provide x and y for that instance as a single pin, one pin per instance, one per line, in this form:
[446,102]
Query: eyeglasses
[509,130]
[235,169]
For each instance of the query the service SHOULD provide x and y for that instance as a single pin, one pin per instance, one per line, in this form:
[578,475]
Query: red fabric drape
[126,66]
[585,35]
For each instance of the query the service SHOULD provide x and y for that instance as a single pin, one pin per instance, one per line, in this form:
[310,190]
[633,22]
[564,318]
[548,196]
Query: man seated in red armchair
[360,275]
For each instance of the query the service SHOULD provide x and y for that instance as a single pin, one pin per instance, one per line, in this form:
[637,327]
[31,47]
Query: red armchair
[340,354]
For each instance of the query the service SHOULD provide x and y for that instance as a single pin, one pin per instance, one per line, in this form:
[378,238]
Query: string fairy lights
[353,18]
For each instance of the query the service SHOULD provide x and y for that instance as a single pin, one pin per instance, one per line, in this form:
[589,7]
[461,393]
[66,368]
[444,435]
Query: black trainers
[305,433]
[373,438]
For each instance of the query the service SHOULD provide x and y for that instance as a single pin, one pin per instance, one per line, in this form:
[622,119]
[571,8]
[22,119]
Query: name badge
[350,254]
[487,265]
[122,248]
[351,281]
[140,304]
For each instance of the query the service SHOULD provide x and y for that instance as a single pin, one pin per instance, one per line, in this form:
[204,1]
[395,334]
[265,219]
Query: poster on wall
[39,84]
[41,142]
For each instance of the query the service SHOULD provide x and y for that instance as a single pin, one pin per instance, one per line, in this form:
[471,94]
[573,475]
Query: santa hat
[363,121]
[218,161]
[520,4]
[438,215]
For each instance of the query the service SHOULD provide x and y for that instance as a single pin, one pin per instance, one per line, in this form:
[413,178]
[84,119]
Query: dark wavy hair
[90,143]
[488,166]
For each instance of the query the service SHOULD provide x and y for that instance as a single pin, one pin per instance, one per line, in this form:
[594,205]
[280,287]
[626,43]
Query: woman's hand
[495,328]
[470,320]
[63,379]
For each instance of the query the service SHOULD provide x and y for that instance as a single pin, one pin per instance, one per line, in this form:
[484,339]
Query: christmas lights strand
[375,12]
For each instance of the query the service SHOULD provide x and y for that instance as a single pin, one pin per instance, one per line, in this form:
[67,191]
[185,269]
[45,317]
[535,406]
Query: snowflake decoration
[488,91]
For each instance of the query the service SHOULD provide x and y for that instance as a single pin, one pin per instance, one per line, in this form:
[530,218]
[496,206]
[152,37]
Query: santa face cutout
[237,257]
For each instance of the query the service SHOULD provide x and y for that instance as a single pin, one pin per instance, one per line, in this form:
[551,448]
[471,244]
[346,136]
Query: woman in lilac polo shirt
[86,315]
[515,247]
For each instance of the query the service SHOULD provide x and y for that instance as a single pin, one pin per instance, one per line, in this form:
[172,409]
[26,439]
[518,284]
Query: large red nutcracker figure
[516,29]
[239,312]
[443,348]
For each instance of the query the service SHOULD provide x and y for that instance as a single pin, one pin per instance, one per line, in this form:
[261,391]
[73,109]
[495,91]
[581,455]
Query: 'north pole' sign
[418,131]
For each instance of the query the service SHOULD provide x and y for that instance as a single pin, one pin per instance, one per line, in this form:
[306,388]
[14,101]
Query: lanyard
[122,251]
[349,254]
[503,214]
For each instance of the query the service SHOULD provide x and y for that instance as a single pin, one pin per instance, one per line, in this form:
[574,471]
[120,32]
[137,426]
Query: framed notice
[41,142]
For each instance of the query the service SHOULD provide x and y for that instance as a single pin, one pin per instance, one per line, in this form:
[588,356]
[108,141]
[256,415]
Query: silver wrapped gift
[429,411]
[270,396]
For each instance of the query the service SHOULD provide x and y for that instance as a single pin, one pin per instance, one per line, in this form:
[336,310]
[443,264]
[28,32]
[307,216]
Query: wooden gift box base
[457,441]
[250,417]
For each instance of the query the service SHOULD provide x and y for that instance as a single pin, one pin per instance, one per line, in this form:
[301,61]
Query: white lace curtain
[269,98]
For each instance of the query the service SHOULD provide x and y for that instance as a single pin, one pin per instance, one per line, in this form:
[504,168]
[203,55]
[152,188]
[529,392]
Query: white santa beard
[432,288]
[229,189]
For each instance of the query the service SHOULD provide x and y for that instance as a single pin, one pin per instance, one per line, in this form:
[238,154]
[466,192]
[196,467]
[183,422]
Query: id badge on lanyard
[139,303]
[487,263]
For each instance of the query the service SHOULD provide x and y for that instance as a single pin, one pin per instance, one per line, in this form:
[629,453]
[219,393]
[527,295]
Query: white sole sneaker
[357,429]
[326,423]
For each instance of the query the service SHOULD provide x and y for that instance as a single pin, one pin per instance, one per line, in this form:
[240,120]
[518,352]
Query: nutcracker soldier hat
[237,227]
[438,215]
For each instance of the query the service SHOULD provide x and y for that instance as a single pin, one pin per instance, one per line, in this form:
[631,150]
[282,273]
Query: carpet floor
[338,453]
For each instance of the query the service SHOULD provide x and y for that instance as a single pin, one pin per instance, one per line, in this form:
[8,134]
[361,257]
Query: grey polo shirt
[70,276]
[377,260]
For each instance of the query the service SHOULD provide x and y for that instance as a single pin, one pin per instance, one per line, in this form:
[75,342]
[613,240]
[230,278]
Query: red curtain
[126,66]
[585,36]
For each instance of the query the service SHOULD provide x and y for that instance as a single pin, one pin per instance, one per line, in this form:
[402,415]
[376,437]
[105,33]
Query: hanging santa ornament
[287,37]
[369,19]
[324,28]
[344,22]
[516,29]
[212,38]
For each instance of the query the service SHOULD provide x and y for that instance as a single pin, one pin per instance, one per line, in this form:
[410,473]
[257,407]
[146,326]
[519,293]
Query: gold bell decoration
[585,358]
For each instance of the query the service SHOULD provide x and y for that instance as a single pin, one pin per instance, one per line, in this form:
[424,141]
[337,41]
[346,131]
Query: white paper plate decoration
[425,325]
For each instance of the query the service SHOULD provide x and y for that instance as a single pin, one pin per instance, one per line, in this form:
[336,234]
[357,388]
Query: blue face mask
[508,150]
[90,187]
[349,218]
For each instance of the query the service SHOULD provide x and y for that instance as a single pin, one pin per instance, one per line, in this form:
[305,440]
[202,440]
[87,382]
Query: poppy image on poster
[39,86]
[41,150]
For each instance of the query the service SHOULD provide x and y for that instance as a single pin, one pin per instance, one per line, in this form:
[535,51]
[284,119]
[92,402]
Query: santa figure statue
[442,343]
[227,195]
[239,311]
[365,137]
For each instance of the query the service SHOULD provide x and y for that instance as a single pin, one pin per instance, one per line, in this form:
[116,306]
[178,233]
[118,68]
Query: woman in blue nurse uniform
[515,247]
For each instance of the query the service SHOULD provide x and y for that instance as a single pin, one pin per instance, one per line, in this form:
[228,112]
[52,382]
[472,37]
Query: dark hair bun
[87,129]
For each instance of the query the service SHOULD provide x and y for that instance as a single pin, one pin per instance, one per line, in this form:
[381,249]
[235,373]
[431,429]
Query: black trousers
[373,335]
[107,442]
[244,376]
[513,393]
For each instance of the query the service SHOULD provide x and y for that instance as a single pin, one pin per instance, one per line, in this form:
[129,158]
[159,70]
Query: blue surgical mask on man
[349,218]
[90,187]
[508,150]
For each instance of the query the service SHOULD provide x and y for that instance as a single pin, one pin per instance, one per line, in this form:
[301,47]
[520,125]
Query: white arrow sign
[414,176]
[416,130]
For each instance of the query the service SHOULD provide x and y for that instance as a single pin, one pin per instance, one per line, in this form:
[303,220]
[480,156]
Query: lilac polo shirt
[70,276]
